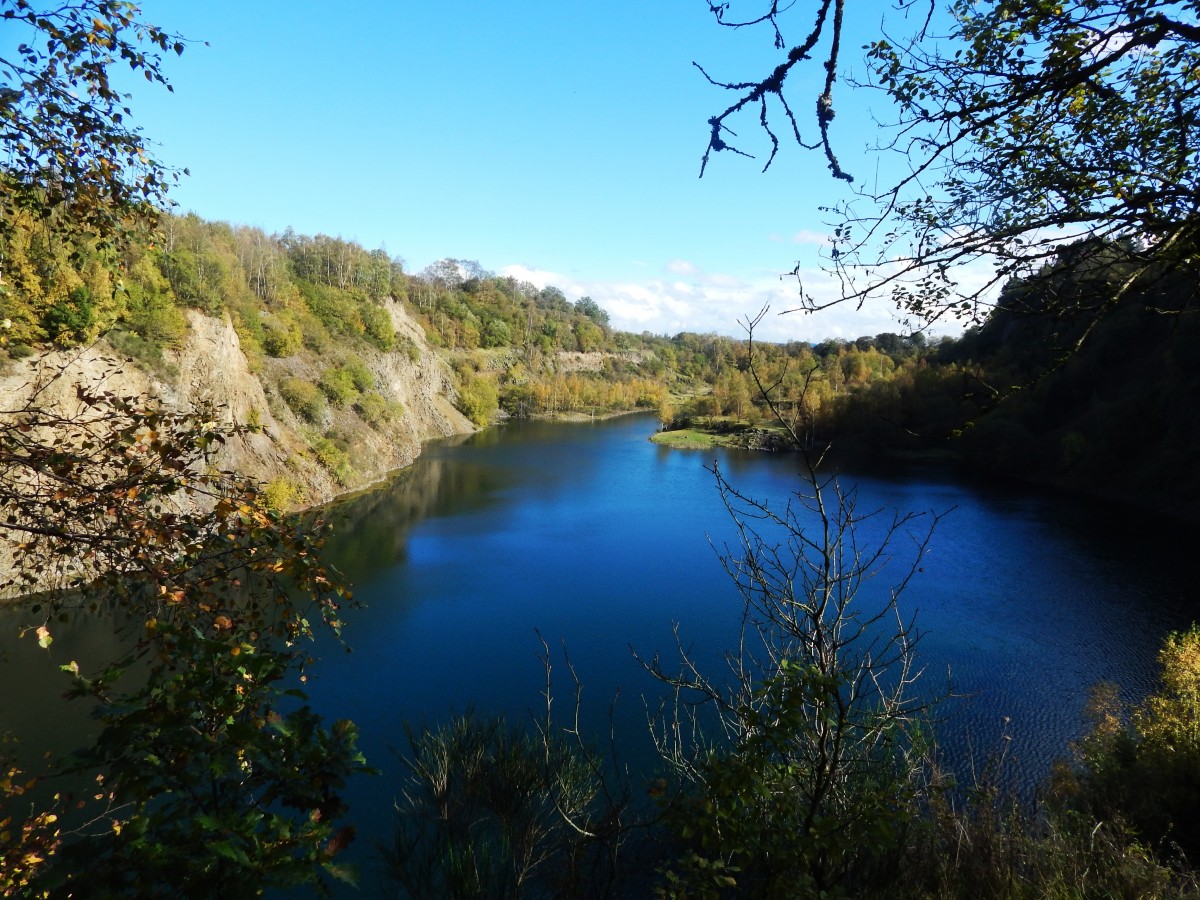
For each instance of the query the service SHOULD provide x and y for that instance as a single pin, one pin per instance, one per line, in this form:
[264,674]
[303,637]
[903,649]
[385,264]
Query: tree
[808,765]
[592,310]
[1025,125]
[210,744]
[1144,769]
[72,158]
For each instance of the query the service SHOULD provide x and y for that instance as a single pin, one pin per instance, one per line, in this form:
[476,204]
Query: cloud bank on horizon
[682,296]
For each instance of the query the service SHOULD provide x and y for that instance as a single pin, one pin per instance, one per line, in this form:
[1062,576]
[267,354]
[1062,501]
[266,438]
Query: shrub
[281,337]
[249,328]
[281,494]
[148,353]
[410,348]
[375,410]
[304,398]
[313,332]
[1144,769]
[478,399]
[69,321]
[336,309]
[490,810]
[153,316]
[338,386]
[362,377]
[378,325]
[334,458]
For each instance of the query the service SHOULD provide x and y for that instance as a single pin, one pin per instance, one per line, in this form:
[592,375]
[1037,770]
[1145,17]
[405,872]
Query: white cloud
[699,301]
[809,237]
[681,267]
[537,277]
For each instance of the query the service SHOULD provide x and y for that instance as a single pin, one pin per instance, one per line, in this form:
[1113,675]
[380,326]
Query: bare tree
[804,751]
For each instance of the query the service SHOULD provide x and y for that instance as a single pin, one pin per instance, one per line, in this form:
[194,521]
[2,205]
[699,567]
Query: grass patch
[690,439]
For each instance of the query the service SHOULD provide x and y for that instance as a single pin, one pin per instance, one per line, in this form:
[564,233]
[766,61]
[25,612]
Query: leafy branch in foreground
[205,740]
[72,159]
[1019,127]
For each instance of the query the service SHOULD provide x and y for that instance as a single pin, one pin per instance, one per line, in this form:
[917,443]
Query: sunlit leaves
[1145,769]
[28,838]
[1018,126]
[71,155]
[117,498]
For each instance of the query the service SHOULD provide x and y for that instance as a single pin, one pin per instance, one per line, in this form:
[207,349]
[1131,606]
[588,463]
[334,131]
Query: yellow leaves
[173,596]
[1180,661]
[1170,718]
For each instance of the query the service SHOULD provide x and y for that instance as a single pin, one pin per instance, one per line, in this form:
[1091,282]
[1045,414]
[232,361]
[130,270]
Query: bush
[336,309]
[362,377]
[304,398]
[334,458]
[410,348]
[281,337]
[313,332]
[490,810]
[338,386]
[478,399]
[1145,769]
[250,332]
[378,325]
[148,353]
[281,494]
[69,321]
[153,316]
[375,410]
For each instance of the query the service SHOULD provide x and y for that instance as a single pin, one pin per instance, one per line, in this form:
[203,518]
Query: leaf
[43,636]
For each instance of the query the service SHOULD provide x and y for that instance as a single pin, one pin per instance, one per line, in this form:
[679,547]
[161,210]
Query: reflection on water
[593,536]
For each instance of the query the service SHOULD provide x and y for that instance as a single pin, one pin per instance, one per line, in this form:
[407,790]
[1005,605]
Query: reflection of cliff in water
[370,530]
[452,476]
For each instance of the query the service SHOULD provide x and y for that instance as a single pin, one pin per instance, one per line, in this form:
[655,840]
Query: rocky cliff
[210,370]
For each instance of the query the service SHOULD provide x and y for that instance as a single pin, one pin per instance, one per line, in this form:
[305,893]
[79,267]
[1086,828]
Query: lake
[599,540]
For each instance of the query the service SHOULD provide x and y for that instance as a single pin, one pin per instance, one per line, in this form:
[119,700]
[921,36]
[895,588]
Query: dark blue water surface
[600,541]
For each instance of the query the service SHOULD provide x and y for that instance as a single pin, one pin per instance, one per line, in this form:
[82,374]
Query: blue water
[600,541]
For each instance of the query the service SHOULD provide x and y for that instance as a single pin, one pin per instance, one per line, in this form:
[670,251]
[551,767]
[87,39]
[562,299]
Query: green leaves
[208,745]
[71,157]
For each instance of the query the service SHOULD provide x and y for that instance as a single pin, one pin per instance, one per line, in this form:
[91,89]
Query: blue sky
[553,140]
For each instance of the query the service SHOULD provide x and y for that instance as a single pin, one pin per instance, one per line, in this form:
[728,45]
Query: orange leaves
[170,595]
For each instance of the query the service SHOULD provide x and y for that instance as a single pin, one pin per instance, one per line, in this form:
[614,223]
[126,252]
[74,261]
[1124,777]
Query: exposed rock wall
[210,371]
